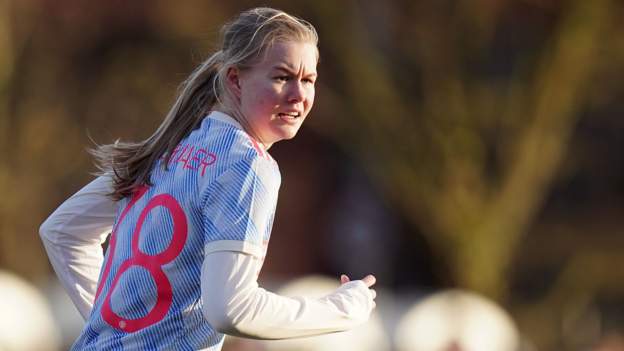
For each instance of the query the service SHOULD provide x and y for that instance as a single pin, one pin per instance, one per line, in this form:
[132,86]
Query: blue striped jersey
[218,192]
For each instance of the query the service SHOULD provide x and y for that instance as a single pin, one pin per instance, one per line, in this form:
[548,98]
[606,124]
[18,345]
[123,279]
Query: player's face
[277,93]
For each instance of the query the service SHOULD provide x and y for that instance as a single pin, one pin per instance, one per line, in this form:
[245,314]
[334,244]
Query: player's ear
[232,79]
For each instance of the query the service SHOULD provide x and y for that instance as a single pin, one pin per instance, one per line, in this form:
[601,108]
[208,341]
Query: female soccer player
[191,209]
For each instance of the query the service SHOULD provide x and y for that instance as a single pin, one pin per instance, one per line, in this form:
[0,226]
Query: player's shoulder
[250,157]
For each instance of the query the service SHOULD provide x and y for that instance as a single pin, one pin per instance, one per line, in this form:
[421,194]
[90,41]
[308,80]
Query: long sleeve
[234,304]
[72,237]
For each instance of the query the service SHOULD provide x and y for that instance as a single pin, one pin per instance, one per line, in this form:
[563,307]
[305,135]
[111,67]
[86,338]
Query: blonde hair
[244,41]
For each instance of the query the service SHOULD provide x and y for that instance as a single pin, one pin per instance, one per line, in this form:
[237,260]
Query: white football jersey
[218,193]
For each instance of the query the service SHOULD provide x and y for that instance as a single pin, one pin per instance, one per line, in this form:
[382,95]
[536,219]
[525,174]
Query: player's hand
[369,280]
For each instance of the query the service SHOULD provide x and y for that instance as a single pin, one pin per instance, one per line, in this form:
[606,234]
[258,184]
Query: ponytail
[131,163]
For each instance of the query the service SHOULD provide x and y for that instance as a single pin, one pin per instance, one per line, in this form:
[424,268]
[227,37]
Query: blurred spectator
[26,322]
[362,226]
[456,320]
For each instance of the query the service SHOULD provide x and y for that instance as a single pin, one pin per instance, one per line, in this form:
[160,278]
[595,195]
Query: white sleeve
[234,304]
[72,237]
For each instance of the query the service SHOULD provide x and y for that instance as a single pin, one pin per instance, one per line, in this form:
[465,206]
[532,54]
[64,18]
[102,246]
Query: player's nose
[296,93]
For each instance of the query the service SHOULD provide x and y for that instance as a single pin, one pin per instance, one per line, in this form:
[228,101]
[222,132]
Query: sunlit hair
[244,42]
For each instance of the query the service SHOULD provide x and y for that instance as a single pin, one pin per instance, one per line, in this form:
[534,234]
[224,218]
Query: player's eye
[282,78]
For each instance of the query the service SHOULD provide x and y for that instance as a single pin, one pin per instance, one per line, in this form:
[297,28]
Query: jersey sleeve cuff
[235,245]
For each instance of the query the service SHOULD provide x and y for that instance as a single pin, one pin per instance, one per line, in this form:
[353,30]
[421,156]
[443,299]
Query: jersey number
[152,263]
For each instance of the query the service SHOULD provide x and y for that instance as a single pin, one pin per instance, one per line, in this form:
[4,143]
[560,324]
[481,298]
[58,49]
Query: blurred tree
[466,147]
[7,242]
[72,70]
[35,132]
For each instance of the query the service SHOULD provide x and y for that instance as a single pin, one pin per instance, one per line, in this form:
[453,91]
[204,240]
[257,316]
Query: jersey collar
[220,116]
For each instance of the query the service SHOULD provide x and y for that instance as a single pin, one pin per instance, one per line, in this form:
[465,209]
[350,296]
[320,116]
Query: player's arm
[72,237]
[239,206]
[234,304]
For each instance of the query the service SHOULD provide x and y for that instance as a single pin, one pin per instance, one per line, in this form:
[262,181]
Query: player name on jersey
[193,157]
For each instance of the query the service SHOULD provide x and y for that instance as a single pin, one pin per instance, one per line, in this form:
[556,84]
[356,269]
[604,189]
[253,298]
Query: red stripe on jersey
[258,148]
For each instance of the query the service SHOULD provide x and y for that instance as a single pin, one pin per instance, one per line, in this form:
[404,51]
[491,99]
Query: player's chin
[286,136]
[289,132]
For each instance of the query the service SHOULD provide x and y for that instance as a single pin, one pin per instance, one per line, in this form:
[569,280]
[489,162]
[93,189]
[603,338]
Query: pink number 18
[152,263]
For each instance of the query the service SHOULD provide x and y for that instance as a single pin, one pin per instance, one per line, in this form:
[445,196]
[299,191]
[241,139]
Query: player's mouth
[289,117]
